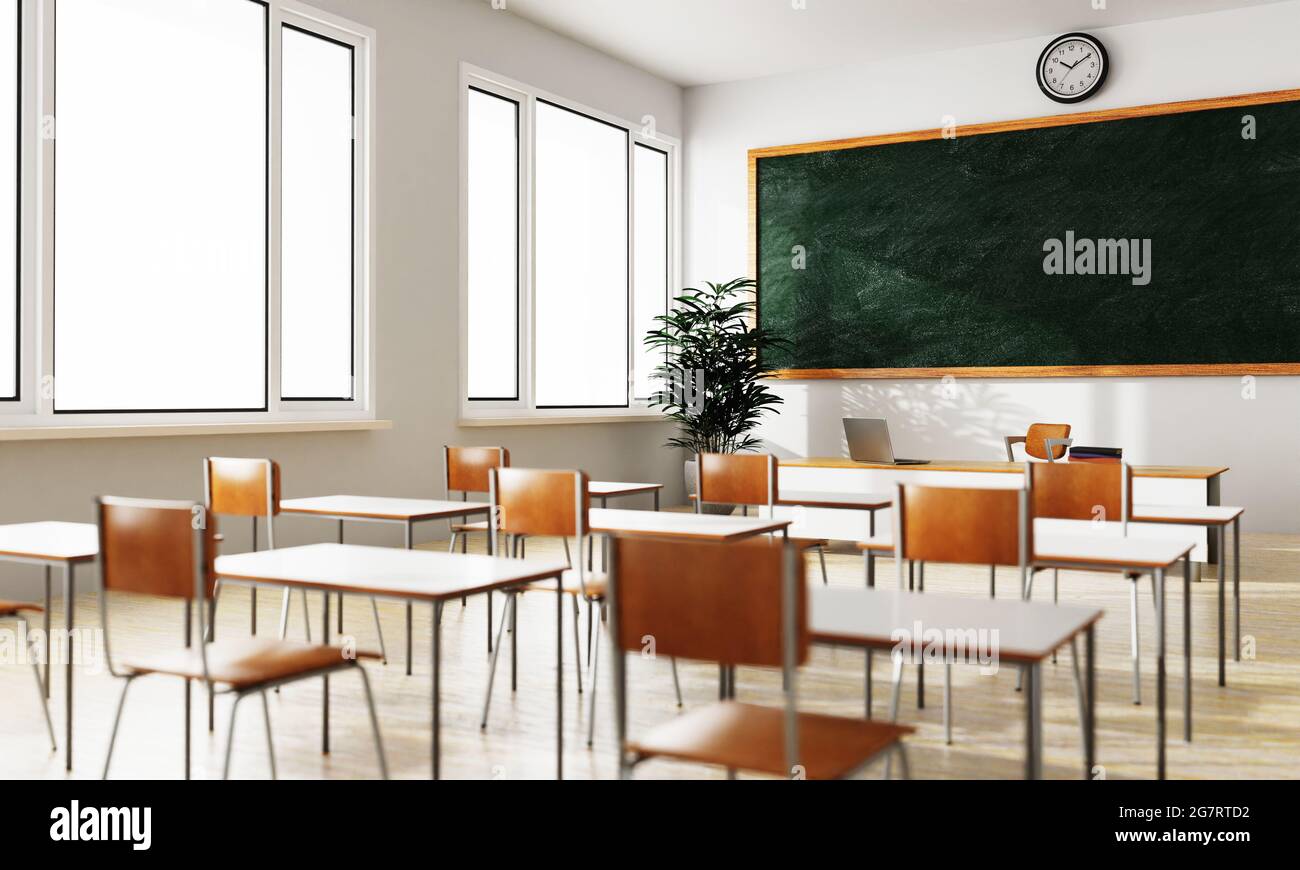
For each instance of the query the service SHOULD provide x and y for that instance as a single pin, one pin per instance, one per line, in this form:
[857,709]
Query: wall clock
[1072,67]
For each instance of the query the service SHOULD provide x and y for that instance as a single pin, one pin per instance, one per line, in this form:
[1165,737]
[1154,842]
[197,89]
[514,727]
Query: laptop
[868,439]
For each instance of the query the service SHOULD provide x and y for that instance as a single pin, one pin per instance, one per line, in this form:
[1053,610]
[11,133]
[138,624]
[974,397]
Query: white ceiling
[695,42]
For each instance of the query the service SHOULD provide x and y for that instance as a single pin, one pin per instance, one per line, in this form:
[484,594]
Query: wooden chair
[1097,492]
[748,479]
[529,502]
[1046,441]
[251,488]
[967,527]
[736,604]
[15,610]
[465,470]
[168,548]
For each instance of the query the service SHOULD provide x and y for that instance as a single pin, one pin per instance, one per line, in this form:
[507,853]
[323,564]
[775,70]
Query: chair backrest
[1037,435]
[241,487]
[718,602]
[963,526]
[736,478]
[1082,490]
[466,468]
[530,501]
[155,547]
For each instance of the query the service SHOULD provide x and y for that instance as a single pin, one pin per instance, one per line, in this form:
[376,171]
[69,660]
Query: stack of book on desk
[1096,454]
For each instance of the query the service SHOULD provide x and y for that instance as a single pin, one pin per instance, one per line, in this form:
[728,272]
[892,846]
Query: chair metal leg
[947,703]
[904,772]
[306,616]
[210,630]
[1056,576]
[993,581]
[1026,594]
[451,545]
[270,744]
[379,630]
[821,556]
[496,653]
[117,720]
[45,623]
[590,609]
[677,685]
[514,643]
[284,613]
[893,705]
[577,642]
[1133,638]
[591,701]
[374,722]
[230,735]
[42,692]
[1081,701]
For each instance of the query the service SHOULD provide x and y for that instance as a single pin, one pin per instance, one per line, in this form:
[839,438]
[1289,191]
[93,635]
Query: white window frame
[524,410]
[35,408]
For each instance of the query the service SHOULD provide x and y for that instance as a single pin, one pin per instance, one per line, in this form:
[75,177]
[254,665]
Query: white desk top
[50,541]
[1026,631]
[608,488]
[844,500]
[424,575]
[1082,544]
[379,508]
[1186,514]
[675,524]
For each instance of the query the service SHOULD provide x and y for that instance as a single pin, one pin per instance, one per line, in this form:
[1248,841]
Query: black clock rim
[1101,80]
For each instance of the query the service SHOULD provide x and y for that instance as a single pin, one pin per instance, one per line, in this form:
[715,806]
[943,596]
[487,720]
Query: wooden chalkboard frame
[757,154]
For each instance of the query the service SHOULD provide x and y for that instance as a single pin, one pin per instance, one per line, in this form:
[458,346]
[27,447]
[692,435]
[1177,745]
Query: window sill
[159,430]
[567,420]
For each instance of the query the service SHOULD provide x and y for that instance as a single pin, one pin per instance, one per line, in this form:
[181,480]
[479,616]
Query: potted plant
[713,372]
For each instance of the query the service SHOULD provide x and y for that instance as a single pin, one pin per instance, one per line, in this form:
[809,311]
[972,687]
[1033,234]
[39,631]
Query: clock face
[1072,67]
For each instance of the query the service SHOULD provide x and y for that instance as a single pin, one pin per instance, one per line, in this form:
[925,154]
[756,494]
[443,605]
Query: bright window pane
[160,220]
[581,261]
[650,278]
[8,201]
[493,247]
[316,218]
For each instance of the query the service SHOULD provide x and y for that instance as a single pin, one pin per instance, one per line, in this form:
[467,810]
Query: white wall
[420,46]
[1195,421]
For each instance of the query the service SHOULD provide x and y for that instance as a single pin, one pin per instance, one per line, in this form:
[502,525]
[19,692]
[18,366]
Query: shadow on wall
[953,419]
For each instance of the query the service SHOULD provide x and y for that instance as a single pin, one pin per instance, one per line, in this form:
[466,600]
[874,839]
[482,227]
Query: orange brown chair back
[718,602]
[467,467]
[736,478]
[1036,438]
[1082,491]
[529,501]
[154,547]
[962,526]
[241,487]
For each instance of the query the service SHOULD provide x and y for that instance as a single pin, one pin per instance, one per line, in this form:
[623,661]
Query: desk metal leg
[1222,540]
[1033,721]
[340,601]
[559,677]
[409,541]
[1160,673]
[46,621]
[1236,589]
[1090,706]
[437,690]
[656,499]
[325,680]
[920,665]
[1187,647]
[69,608]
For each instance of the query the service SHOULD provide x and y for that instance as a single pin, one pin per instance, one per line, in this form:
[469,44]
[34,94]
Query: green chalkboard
[929,254]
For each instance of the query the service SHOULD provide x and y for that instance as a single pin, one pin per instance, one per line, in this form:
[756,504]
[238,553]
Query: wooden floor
[1251,728]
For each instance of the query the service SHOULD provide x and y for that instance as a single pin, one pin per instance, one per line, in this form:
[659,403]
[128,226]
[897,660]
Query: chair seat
[244,663]
[596,582]
[461,528]
[750,737]
[13,608]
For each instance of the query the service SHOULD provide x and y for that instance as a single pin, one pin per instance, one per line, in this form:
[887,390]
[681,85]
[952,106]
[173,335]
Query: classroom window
[204,178]
[316,219]
[567,240]
[493,263]
[10,239]
[160,206]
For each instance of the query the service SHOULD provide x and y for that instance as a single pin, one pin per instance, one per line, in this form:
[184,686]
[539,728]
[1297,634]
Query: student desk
[1025,634]
[405,512]
[63,546]
[1189,486]
[410,576]
[606,521]
[1082,545]
[607,489]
